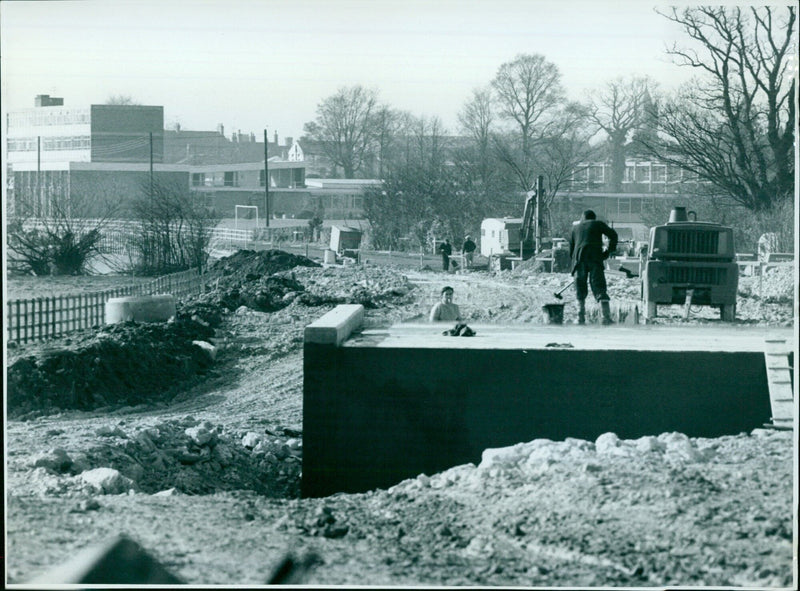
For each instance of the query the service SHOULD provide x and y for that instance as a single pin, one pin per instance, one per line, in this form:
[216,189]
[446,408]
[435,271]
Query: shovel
[557,294]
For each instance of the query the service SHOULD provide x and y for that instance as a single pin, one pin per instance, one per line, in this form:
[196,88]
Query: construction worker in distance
[468,249]
[588,256]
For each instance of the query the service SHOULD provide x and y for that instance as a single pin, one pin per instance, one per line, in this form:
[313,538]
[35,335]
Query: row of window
[636,173]
[232,179]
[219,179]
[49,116]
[29,144]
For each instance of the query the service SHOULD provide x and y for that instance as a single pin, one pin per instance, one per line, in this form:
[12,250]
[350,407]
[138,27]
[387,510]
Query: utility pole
[151,170]
[266,178]
[539,195]
[38,176]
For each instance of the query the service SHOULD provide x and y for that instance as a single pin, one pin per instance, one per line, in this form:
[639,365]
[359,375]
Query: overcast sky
[256,64]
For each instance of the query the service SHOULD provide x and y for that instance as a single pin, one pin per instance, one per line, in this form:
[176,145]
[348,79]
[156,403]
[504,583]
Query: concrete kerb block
[152,308]
[336,326]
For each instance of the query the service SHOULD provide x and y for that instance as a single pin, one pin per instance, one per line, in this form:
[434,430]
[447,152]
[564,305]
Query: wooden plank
[779,379]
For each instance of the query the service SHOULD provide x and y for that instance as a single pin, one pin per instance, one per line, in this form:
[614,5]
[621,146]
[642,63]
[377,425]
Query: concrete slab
[589,337]
[388,404]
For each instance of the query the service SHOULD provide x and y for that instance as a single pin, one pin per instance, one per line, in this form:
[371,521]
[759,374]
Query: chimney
[252,138]
[220,129]
[276,138]
[177,127]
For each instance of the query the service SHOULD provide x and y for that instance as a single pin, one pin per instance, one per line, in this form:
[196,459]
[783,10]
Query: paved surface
[638,337]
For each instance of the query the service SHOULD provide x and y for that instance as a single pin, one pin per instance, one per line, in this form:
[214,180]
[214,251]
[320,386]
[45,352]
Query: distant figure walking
[468,248]
[446,249]
[445,310]
[588,256]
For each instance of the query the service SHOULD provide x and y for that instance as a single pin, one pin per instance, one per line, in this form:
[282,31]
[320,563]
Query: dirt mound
[247,265]
[130,363]
[126,363]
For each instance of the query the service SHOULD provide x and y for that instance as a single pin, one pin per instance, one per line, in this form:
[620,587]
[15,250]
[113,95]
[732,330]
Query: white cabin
[500,236]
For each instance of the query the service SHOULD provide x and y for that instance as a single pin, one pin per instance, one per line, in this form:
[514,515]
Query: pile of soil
[246,265]
[132,363]
[125,363]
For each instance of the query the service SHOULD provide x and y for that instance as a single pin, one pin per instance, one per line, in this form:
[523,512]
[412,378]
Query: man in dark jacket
[446,249]
[588,256]
[468,249]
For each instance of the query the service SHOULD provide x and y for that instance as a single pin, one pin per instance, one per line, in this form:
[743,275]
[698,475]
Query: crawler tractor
[691,263]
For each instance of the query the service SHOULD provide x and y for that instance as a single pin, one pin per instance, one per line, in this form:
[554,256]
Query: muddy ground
[137,430]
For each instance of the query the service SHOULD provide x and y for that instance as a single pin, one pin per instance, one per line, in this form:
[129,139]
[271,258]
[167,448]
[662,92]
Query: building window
[231,179]
[659,173]
[262,177]
[630,174]
[198,179]
[643,173]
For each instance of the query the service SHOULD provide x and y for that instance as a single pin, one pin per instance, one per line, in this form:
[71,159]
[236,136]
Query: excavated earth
[196,455]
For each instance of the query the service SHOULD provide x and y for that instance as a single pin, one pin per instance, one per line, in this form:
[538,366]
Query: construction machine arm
[527,228]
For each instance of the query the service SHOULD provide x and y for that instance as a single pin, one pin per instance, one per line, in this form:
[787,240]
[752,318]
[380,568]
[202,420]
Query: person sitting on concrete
[445,310]
[468,248]
[588,257]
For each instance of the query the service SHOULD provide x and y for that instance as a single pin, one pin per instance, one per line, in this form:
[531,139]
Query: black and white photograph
[400,293]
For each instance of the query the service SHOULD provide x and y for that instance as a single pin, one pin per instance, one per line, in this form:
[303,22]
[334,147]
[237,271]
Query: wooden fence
[45,318]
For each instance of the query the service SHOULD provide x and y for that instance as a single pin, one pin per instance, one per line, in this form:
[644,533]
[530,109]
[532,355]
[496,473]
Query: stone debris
[251,440]
[202,434]
[56,460]
[207,348]
[107,481]
[108,431]
[170,492]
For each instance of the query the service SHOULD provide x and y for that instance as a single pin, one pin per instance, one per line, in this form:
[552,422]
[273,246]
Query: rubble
[653,510]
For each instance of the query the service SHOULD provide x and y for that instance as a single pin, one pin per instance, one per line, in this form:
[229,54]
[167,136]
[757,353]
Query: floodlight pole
[266,179]
[151,173]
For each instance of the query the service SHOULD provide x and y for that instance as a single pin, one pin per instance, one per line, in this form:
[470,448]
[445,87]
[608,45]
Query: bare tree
[121,99]
[618,110]
[734,126]
[476,120]
[176,229]
[64,242]
[387,125]
[528,90]
[345,127]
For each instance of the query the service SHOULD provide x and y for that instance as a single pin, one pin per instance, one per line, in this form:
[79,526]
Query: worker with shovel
[588,256]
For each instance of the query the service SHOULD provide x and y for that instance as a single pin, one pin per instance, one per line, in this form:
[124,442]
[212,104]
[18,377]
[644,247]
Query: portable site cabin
[345,239]
[500,236]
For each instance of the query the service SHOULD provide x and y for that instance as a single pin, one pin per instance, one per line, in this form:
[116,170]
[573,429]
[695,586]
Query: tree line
[732,127]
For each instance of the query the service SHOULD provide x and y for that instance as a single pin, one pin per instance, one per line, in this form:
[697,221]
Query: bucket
[553,313]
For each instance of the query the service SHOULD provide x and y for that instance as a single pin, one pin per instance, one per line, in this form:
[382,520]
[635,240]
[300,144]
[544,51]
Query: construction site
[301,422]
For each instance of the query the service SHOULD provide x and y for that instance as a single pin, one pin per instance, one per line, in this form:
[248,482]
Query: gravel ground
[205,476]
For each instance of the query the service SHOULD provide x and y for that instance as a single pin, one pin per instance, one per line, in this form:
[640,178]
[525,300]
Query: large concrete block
[336,326]
[152,308]
[397,402]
